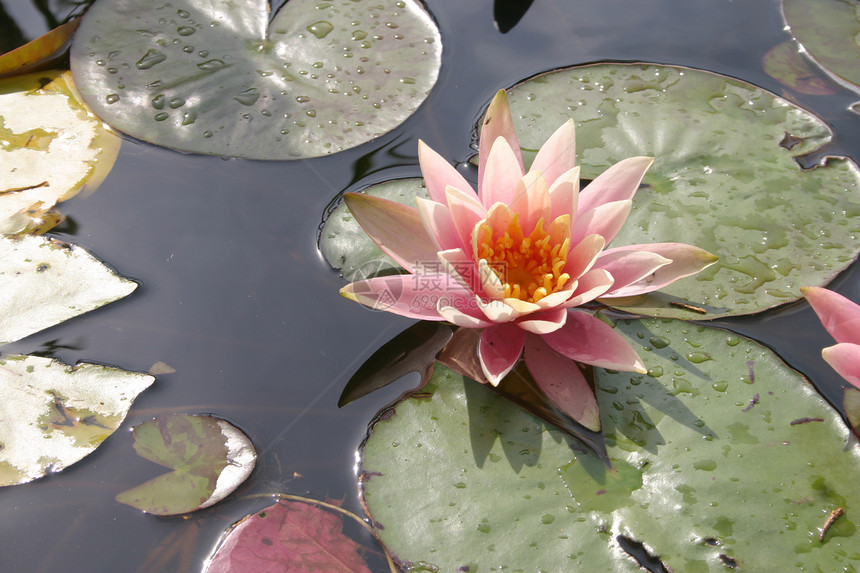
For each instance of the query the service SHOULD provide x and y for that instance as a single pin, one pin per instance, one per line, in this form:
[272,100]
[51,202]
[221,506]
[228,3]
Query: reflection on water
[235,297]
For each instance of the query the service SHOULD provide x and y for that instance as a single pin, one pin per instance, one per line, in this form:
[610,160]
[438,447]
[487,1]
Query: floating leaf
[723,458]
[41,52]
[413,350]
[210,458]
[725,178]
[288,537]
[784,63]
[51,147]
[45,282]
[348,248]
[852,408]
[52,415]
[216,77]
[828,32]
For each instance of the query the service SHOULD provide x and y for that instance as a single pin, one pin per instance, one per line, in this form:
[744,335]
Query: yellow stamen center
[530,267]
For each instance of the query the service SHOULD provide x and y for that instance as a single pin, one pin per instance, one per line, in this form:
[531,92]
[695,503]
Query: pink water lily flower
[841,318]
[518,257]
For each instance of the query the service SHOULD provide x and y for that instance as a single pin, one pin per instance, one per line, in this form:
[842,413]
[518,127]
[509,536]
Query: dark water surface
[235,296]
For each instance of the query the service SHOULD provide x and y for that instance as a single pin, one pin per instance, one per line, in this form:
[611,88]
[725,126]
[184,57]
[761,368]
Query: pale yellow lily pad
[52,415]
[52,147]
[44,282]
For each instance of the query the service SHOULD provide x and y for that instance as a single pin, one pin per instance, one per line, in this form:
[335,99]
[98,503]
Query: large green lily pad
[723,458]
[725,177]
[52,415]
[209,457]
[829,32]
[214,76]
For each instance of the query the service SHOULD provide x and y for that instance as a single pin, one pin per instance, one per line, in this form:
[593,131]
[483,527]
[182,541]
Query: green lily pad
[52,147]
[299,536]
[348,248]
[725,178]
[828,31]
[851,402]
[785,64]
[52,415]
[45,282]
[209,457]
[722,457]
[214,76]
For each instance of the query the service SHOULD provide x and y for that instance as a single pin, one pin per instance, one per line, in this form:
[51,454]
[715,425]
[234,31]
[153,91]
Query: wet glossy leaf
[722,455]
[51,148]
[45,282]
[785,64]
[210,458]
[413,350]
[288,537]
[52,415]
[39,53]
[348,248]
[216,77]
[725,178]
[828,32]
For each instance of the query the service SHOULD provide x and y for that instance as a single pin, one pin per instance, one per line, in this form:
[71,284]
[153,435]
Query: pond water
[235,296]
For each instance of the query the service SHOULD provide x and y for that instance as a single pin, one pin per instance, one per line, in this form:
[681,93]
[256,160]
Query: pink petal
[439,174]
[544,322]
[558,154]
[559,297]
[462,312]
[395,227]
[686,260]
[499,350]
[588,339]
[437,220]
[502,172]
[498,311]
[531,201]
[401,294]
[490,281]
[466,212]
[618,183]
[564,194]
[845,359]
[498,122]
[628,267]
[840,316]
[590,286]
[583,255]
[461,268]
[562,382]
[604,220]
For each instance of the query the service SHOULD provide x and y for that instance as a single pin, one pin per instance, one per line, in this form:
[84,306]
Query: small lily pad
[209,457]
[785,64]
[51,148]
[45,282]
[828,32]
[289,537]
[214,76]
[722,457]
[726,178]
[52,415]
[348,248]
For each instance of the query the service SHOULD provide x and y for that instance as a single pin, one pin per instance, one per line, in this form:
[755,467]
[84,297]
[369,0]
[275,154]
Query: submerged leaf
[413,350]
[45,282]
[726,178]
[210,458]
[785,64]
[216,77]
[288,537]
[51,148]
[52,415]
[710,466]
